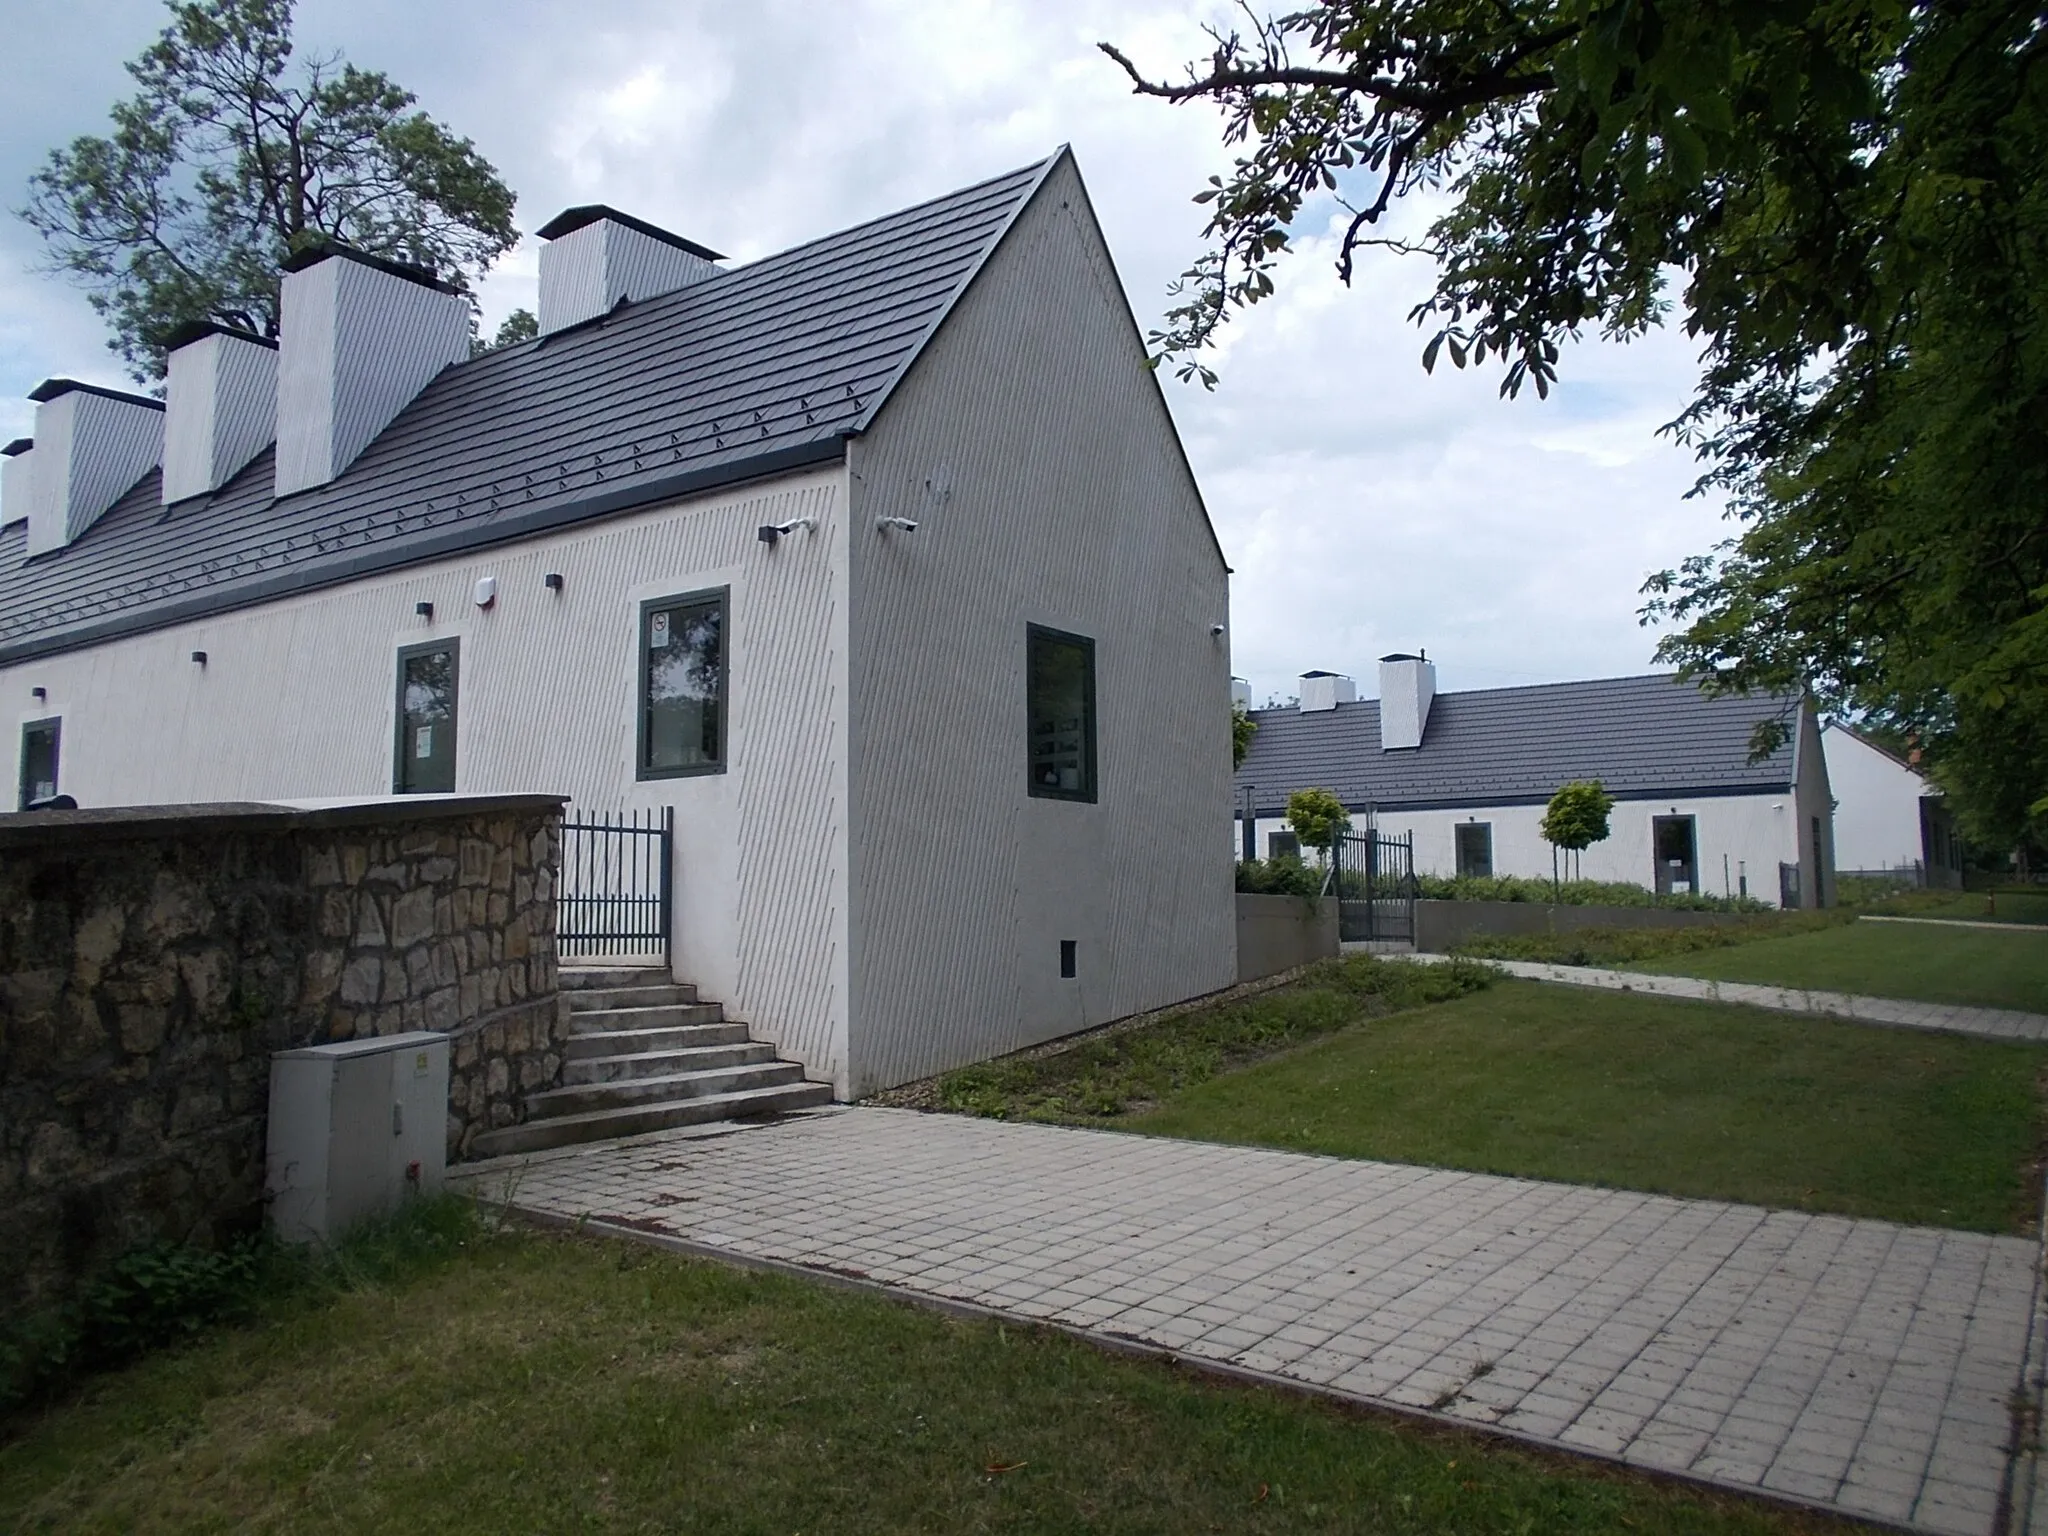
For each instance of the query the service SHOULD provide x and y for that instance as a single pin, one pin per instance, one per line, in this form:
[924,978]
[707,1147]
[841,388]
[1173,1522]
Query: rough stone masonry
[151,960]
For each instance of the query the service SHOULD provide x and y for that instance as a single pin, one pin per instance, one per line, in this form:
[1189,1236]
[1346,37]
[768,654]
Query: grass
[1976,967]
[1984,907]
[1633,946]
[1113,1072]
[533,1383]
[1633,1092]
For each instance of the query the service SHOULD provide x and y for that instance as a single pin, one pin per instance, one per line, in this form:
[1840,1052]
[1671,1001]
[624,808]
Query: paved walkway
[1855,1364]
[1948,1018]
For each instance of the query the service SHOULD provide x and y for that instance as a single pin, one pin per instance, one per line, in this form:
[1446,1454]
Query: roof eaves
[398,553]
[1024,200]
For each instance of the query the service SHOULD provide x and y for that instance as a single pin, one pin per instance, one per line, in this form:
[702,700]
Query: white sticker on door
[423,742]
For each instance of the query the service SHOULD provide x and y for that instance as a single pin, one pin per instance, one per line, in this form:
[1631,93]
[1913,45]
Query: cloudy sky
[1366,506]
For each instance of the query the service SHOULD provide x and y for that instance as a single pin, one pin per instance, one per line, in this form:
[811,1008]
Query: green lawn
[1924,961]
[1633,1092]
[533,1383]
[1980,907]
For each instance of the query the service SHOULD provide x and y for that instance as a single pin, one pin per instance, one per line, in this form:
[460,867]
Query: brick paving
[1859,1365]
[1989,1023]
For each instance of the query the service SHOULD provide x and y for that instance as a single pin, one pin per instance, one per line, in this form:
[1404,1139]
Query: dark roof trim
[966,282]
[199,330]
[313,255]
[1492,802]
[50,389]
[400,553]
[19,445]
[569,220]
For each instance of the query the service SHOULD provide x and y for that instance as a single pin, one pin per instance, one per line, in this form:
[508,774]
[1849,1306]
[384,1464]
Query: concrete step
[577,976]
[652,995]
[578,1071]
[658,1016]
[637,1119]
[631,1042]
[587,1097]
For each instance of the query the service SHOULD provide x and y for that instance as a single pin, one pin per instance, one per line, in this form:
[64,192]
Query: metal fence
[617,892]
[1374,878]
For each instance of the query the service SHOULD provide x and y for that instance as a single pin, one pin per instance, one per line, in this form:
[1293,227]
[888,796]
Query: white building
[1888,818]
[1469,775]
[877,561]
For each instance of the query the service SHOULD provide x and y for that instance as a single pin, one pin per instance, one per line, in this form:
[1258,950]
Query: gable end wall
[1032,447]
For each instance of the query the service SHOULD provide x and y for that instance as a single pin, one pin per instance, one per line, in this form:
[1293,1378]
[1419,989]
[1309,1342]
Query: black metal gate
[1374,877]
[617,892]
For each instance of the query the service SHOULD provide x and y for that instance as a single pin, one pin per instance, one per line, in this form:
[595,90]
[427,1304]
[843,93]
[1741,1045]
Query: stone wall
[151,959]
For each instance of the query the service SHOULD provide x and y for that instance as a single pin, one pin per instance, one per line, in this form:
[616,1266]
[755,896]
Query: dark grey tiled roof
[1642,737]
[760,369]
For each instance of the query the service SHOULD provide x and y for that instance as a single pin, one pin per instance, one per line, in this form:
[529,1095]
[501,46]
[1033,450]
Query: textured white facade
[1877,804]
[355,345]
[588,270]
[1031,446]
[220,411]
[298,698]
[90,449]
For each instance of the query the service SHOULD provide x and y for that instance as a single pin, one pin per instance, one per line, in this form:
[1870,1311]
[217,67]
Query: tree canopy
[1845,195]
[227,159]
[1576,817]
[1317,816]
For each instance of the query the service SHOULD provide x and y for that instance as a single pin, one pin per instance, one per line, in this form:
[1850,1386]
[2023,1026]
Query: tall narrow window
[1677,850]
[426,719]
[38,761]
[682,685]
[1060,704]
[1475,850]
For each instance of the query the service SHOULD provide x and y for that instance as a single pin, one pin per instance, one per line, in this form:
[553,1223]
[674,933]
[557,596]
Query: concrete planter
[1440,924]
[1277,933]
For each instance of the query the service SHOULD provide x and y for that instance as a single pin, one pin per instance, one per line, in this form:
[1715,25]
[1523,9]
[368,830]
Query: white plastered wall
[1031,446]
[1737,837]
[297,699]
[1877,804]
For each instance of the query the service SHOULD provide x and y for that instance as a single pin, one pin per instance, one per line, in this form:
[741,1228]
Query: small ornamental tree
[1576,818]
[1242,729]
[1317,816]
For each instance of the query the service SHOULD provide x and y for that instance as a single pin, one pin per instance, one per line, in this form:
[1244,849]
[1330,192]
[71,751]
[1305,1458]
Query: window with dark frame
[682,685]
[38,761]
[427,681]
[1060,704]
[1283,845]
[1475,850]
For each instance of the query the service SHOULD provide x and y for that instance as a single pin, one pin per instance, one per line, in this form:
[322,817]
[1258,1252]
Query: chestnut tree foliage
[227,159]
[1839,199]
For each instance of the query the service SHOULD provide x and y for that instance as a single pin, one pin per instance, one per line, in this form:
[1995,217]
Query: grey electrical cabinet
[354,1129]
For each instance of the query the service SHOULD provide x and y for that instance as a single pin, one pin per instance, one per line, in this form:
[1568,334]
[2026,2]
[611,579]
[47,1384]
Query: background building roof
[1642,737]
[754,371]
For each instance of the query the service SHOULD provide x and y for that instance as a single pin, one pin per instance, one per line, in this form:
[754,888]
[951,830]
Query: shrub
[1278,877]
[1577,893]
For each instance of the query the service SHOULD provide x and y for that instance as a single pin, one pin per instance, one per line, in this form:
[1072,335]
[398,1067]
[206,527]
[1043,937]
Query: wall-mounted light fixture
[768,533]
[1216,631]
[552,581]
[424,610]
[486,592]
[199,657]
[900,524]
[39,694]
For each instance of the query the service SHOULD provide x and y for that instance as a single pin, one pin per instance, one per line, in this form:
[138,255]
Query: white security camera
[1216,630]
[900,524]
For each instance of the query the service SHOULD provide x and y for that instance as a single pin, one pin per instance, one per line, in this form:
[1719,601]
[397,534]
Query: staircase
[644,1055]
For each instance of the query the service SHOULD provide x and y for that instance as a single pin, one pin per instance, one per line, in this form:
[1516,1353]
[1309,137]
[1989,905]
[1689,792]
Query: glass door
[426,719]
[1678,862]
[38,762]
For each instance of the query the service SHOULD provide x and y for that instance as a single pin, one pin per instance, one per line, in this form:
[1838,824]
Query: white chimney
[358,338]
[92,445]
[1407,688]
[220,407]
[1326,690]
[596,256]
[1240,693]
[14,473]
